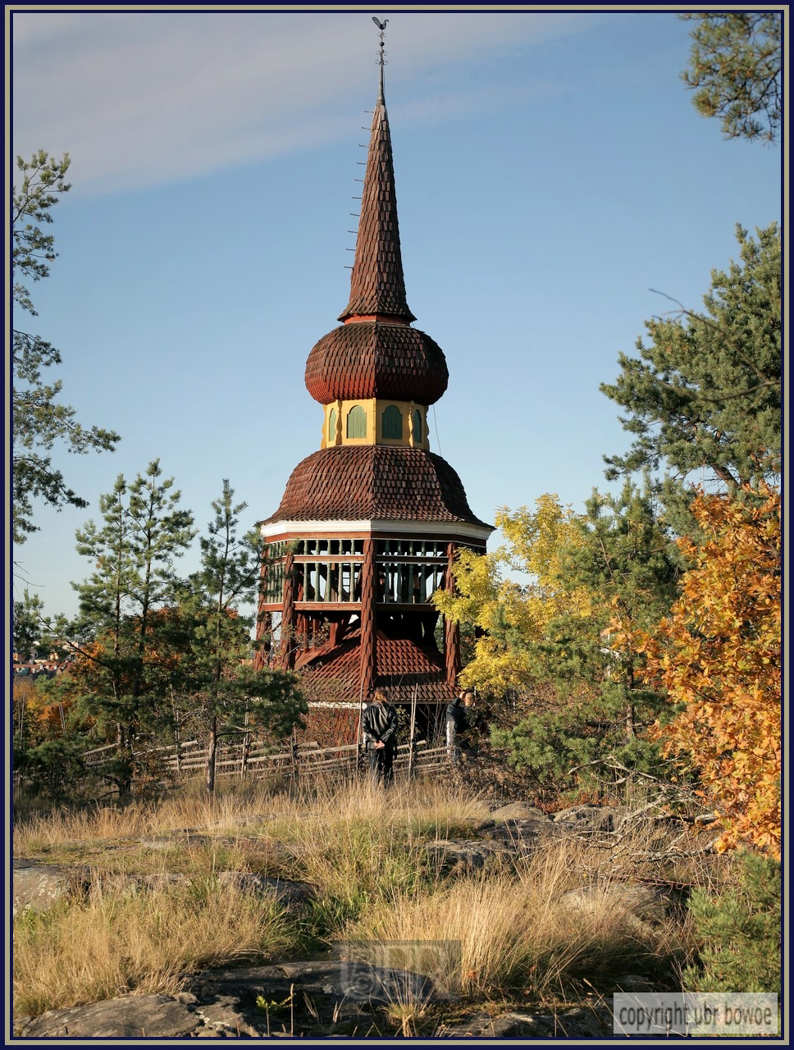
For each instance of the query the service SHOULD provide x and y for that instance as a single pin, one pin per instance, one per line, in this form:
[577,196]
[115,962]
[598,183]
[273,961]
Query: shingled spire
[377,284]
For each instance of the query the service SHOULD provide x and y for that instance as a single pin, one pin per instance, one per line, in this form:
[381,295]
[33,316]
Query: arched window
[417,426]
[356,422]
[332,427]
[392,423]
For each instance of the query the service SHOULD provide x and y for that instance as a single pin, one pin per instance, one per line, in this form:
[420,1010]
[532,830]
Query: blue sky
[551,171]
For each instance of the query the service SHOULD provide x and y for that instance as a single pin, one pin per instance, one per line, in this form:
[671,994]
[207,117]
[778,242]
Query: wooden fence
[254,760]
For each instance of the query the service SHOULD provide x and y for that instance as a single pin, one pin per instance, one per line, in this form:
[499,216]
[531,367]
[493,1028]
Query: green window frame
[392,423]
[356,422]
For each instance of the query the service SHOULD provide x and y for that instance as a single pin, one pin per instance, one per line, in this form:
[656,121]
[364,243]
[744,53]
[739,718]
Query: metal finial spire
[382,58]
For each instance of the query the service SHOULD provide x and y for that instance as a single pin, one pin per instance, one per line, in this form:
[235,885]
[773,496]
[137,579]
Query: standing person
[379,728]
[457,722]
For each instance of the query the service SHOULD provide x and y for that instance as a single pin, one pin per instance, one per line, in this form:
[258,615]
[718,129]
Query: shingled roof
[402,666]
[377,284]
[374,482]
[363,359]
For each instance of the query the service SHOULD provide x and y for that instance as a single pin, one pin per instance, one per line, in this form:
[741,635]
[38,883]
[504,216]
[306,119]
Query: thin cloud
[139,99]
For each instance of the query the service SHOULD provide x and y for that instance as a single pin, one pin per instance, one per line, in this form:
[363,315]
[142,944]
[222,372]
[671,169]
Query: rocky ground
[334,997]
[312,998]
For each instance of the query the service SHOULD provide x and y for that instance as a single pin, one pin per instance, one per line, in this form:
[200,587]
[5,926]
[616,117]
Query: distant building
[369,525]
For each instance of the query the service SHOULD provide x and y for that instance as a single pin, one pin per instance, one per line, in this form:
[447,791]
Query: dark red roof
[401,666]
[373,482]
[377,284]
[364,359]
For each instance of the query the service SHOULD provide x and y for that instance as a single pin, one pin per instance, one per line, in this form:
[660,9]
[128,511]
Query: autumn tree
[703,396]
[718,656]
[510,616]
[39,418]
[223,692]
[735,70]
[563,642]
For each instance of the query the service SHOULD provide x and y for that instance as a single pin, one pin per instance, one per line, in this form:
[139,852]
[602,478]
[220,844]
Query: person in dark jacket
[379,729]
[458,722]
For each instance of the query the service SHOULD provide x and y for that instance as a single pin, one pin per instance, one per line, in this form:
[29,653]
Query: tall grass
[537,930]
[419,806]
[119,942]
[530,935]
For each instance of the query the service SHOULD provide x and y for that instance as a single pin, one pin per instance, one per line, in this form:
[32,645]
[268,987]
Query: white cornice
[387,527]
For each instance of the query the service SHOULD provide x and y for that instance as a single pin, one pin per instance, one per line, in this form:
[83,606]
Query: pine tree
[27,625]
[39,419]
[224,693]
[740,931]
[123,637]
[734,69]
[703,398]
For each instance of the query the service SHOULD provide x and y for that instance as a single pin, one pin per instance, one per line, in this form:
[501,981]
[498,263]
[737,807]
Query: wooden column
[287,649]
[368,641]
[264,621]
[451,629]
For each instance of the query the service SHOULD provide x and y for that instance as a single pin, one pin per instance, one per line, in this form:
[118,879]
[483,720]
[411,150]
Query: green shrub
[740,932]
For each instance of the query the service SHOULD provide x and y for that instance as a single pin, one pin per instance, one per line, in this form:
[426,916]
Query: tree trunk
[630,714]
[124,741]
[630,730]
[211,753]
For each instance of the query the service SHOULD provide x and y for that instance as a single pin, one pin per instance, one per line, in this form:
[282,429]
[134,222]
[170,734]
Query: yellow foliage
[502,607]
[536,542]
[718,654]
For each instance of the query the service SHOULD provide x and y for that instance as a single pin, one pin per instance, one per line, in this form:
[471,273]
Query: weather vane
[382,27]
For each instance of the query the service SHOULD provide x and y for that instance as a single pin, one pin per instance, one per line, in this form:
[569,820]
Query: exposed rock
[38,886]
[334,998]
[175,839]
[131,884]
[130,1017]
[522,834]
[305,998]
[518,811]
[225,1016]
[649,904]
[576,1023]
[329,981]
[488,1026]
[462,855]
[286,891]
[633,982]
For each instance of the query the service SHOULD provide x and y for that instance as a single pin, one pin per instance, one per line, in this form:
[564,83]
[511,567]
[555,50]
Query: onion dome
[365,359]
[374,483]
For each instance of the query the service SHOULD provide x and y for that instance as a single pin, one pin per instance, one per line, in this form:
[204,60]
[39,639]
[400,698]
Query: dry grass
[418,806]
[362,836]
[567,915]
[113,824]
[538,935]
[146,942]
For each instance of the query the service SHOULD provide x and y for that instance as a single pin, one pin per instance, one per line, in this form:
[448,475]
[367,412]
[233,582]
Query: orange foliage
[39,709]
[718,654]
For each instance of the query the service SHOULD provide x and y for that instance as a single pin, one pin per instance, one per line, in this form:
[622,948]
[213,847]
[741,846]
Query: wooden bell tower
[369,524]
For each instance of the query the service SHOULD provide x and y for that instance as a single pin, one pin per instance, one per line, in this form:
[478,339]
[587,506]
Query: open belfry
[369,525]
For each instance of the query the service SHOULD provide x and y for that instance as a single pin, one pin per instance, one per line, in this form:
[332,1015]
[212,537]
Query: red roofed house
[369,524]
